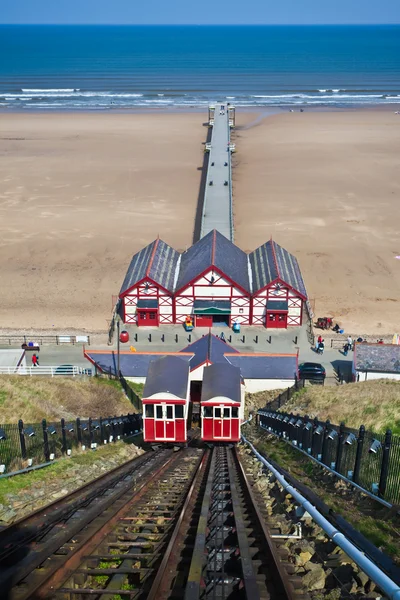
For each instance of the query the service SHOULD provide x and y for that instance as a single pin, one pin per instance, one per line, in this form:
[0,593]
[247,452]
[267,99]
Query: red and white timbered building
[215,283]
[278,290]
[147,291]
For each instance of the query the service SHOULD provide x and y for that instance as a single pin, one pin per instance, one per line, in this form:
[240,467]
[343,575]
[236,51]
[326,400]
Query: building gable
[214,250]
[157,261]
[270,262]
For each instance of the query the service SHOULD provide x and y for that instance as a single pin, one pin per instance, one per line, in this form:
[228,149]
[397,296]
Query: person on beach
[350,342]
[345,349]
[35,361]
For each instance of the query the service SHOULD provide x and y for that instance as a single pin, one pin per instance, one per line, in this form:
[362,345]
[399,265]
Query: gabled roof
[208,348]
[131,364]
[383,358]
[214,250]
[167,374]
[253,366]
[157,261]
[269,262]
[221,379]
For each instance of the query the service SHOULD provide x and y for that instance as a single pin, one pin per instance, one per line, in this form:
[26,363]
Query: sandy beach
[326,186]
[80,193]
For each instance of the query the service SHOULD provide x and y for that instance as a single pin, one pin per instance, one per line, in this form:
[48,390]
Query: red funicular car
[222,403]
[166,400]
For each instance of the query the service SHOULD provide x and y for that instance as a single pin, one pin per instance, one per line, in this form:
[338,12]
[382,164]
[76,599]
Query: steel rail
[36,524]
[165,494]
[249,577]
[192,591]
[385,584]
[283,581]
[155,592]
[114,503]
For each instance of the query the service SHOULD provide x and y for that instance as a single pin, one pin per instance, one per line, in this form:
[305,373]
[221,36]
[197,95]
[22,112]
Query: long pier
[217,206]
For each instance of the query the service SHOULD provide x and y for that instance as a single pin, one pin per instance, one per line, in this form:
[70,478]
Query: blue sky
[197,12]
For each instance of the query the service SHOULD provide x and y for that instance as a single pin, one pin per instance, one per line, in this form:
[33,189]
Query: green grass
[35,398]
[58,470]
[382,532]
[374,404]
[137,388]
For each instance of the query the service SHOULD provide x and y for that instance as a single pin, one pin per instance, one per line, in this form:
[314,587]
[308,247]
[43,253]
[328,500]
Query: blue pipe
[385,584]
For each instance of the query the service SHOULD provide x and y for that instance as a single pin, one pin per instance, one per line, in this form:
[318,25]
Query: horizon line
[199,24]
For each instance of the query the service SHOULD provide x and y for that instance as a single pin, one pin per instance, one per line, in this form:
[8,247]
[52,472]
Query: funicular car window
[207,412]
[150,411]
[169,412]
[178,411]
[226,413]
[235,412]
[159,412]
[217,413]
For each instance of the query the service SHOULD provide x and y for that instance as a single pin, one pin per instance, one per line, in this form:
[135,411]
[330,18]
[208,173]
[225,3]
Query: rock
[315,579]
[7,514]
[362,579]
[310,566]
[302,558]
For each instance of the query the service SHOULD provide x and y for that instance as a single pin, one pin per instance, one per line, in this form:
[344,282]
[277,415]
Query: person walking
[35,361]
[345,349]
[350,342]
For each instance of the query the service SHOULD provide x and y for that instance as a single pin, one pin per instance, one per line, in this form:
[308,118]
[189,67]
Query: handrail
[52,370]
[389,587]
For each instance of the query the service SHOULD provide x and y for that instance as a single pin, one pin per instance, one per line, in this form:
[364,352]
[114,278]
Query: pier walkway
[217,206]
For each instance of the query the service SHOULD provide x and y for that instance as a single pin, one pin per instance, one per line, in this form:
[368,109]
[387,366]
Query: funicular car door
[226,422]
[218,422]
[164,422]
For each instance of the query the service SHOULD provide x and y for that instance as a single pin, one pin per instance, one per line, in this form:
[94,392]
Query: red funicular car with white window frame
[222,402]
[166,400]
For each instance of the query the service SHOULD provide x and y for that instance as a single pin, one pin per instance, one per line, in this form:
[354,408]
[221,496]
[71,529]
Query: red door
[169,422]
[226,423]
[204,321]
[217,422]
[146,317]
[164,422]
[276,320]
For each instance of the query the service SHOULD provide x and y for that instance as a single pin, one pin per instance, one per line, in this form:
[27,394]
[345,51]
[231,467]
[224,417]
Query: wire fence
[371,460]
[25,445]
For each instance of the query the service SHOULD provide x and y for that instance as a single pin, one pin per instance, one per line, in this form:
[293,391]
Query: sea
[46,68]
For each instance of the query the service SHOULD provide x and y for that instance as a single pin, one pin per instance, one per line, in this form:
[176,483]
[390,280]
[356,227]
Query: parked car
[311,370]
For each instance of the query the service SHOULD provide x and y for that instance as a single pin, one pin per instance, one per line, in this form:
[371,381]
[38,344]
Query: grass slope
[375,404]
[36,398]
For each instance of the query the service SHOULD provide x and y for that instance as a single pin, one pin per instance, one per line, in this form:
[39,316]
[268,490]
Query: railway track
[180,525]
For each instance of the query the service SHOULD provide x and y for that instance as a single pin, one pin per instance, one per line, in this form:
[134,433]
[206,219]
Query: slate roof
[221,379]
[157,261]
[208,348]
[383,358]
[214,250]
[167,374]
[253,366]
[269,262]
[131,364]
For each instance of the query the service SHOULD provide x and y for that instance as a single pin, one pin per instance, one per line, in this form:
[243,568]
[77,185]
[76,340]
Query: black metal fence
[285,395]
[371,460]
[25,445]
[132,395]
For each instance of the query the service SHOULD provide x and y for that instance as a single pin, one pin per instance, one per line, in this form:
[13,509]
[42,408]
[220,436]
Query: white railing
[52,371]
